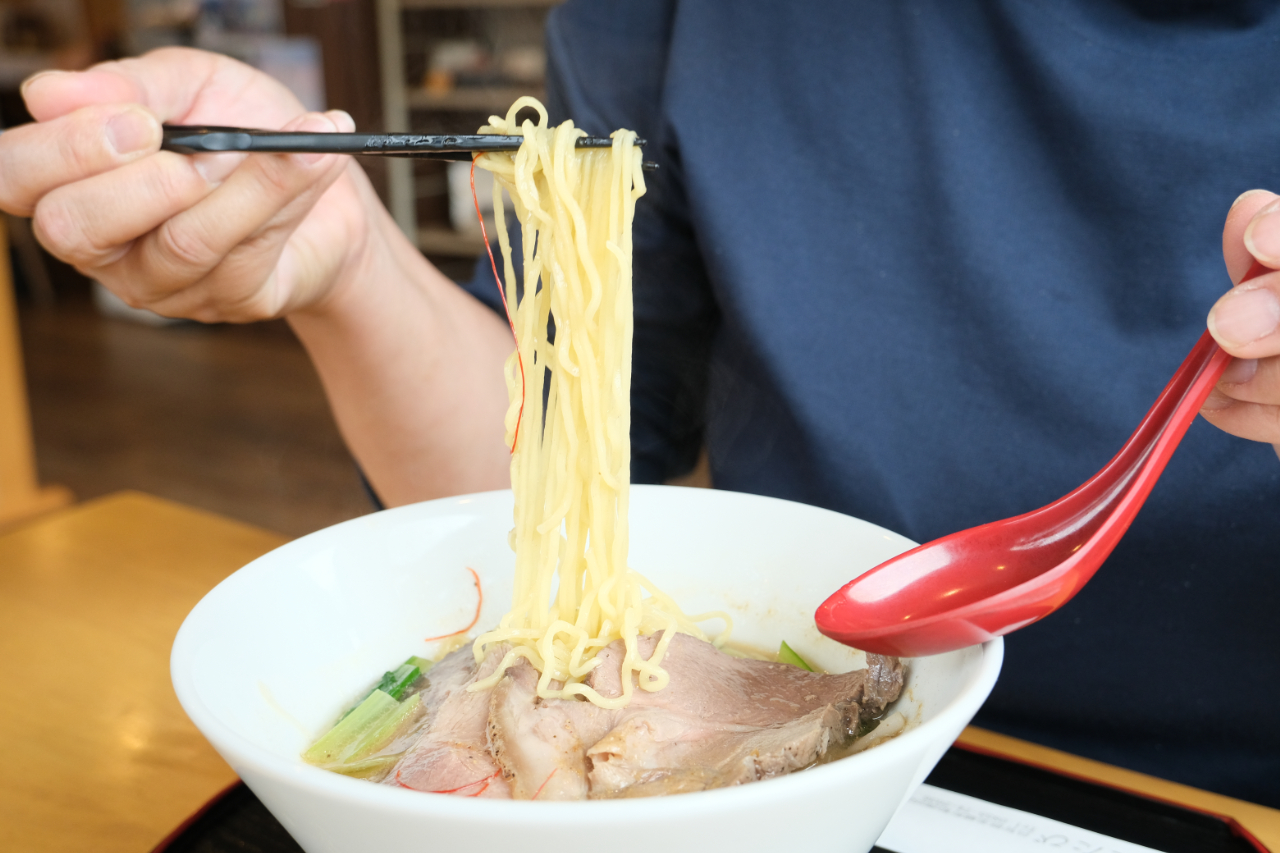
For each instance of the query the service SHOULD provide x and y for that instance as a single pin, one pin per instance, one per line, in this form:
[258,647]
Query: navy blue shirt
[927,263]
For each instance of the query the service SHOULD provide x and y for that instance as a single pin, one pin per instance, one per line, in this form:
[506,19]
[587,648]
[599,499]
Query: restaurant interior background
[223,417]
[97,399]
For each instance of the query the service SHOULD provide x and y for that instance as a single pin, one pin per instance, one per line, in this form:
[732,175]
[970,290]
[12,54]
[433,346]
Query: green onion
[787,655]
[334,745]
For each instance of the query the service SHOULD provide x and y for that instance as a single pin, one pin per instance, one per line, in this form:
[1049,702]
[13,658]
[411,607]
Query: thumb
[175,84]
[53,94]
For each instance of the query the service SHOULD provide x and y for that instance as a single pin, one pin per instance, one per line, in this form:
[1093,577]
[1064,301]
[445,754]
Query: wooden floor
[227,418]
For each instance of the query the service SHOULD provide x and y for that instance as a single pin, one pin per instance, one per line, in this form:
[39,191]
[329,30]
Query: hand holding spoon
[986,581]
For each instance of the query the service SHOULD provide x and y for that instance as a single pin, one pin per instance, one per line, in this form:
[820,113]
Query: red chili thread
[485,780]
[401,784]
[544,783]
[515,436]
[479,603]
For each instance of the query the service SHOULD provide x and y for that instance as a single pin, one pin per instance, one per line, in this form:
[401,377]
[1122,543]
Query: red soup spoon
[986,581]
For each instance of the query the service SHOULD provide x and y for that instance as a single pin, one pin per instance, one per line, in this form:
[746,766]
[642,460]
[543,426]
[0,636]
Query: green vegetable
[335,745]
[371,726]
[394,683]
[421,663]
[385,730]
[368,768]
[787,655]
[400,679]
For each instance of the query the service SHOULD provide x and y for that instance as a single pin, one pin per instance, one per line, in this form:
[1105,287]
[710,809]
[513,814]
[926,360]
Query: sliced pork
[451,754]
[541,744]
[655,751]
[719,721]
[707,683]
[726,721]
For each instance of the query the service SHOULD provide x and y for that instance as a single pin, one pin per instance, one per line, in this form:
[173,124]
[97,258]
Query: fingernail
[26,84]
[315,122]
[132,130]
[1245,315]
[1262,237]
[215,168]
[1216,401]
[342,120]
[1244,195]
[1240,371]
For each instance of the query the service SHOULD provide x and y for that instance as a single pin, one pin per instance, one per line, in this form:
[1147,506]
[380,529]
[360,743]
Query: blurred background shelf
[488,99]
[479,4]
[447,65]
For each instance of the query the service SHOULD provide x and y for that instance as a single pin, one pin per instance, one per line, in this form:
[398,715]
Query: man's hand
[1246,323]
[412,365]
[215,237]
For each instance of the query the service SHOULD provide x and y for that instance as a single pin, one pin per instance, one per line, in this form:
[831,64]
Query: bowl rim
[299,775]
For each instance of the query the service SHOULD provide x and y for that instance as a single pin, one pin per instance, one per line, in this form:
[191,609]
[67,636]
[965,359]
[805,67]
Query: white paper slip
[936,820]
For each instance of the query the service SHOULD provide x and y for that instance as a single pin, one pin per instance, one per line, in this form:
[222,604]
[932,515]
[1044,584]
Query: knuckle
[206,314]
[251,309]
[122,280]
[57,229]
[223,295]
[264,243]
[62,227]
[278,175]
[247,305]
[129,297]
[82,151]
[174,178]
[185,247]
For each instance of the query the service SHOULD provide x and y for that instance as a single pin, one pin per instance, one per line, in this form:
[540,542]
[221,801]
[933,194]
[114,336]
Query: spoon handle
[1203,368]
[1128,478]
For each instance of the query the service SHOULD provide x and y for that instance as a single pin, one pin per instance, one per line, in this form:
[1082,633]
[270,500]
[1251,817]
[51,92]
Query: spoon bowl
[984,582]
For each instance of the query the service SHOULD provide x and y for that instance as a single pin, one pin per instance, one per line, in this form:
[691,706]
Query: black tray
[236,822]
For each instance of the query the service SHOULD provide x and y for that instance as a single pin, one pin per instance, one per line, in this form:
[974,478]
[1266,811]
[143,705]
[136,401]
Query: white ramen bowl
[269,658]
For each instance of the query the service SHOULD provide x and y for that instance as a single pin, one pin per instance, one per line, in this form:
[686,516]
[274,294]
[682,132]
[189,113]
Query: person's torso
[957,249]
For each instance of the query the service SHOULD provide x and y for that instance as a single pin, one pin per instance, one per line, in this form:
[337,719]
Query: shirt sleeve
[606,69]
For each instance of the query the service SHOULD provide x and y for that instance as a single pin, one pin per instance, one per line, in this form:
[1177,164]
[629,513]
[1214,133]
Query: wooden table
[97,754]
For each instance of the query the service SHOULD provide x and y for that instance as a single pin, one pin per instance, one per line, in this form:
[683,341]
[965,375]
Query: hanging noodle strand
[570,311]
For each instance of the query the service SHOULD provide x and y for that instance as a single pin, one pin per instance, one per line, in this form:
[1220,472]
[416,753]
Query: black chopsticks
[203,140]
